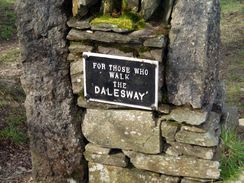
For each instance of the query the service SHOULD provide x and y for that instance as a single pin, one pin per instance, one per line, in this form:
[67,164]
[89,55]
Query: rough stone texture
[114,159]
[205,135]
[113,51]
[218,105]
[178,149]
[107,37]
[156,54]
[187,115]
[168,130]
[133,5]
[79,24]
[54,126]
[167,10]
[157,42]
[176,166]
[149,7]
[96,149]
[76,72]
[192,66]
[111,174]
[86,2]
[192,180]
[230,118]
[241,126]
[123,129]
[77,47]
[109,27]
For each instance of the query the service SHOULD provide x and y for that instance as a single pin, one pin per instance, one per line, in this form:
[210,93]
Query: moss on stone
[123,22]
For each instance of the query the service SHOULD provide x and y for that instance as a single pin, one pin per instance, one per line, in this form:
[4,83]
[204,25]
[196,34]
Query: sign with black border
[118,80]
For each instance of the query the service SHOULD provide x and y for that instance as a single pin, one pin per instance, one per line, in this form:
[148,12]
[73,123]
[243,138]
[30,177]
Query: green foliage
[7,19]
[232,155]
[13,130]
[228,6]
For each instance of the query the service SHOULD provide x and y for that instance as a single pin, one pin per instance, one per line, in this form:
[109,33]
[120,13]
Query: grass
[13,130]
[10,55]
[7,19]
[232,155]
[233,55]
[228,6]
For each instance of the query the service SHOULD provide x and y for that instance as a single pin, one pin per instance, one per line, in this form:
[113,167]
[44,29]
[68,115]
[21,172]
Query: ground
[15,163]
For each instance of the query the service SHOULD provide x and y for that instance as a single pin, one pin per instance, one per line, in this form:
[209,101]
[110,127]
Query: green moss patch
[123,22]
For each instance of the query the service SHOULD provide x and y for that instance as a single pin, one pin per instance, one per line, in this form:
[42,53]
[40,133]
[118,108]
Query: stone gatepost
[145,76]
[177,140]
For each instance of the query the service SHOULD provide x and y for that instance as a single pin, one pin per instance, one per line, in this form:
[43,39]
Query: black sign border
[156,63]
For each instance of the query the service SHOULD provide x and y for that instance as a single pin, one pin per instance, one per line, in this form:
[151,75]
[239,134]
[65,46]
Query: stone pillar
[52,116]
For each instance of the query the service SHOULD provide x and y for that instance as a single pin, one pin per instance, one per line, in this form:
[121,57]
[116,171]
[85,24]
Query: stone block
[112,174]
[123,129]
[178,149]
[133,5]
[96,149]
[176,166]
[168,130]
[87,2]
[114,51]
[192,66]
[79,24]
[205,135]
[76,72]
[156,42]
[106,37]
[78,47]
[167,10]
[113,159]
[148,7]
[187,115]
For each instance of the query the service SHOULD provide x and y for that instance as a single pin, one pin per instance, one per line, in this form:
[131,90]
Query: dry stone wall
[176,142]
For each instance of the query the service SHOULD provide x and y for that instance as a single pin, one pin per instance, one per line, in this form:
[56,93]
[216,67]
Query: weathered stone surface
[178,149]
[230,118]
[194,180]
[167,10]
[109,27]
[176,166]
[187,115]
[218,105]
[72,57]
[114,159]
[78,47]
[192,67]
[148,7]
[241,126]
[87,2]
[113,51]
[112,174]
[211,124]
[107,37]
[79,24]
[168,130]
[156,42]
[164,109]
[76,72]
[96,149]
[54,126]
[206,135]
[133,5]
[123,129]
